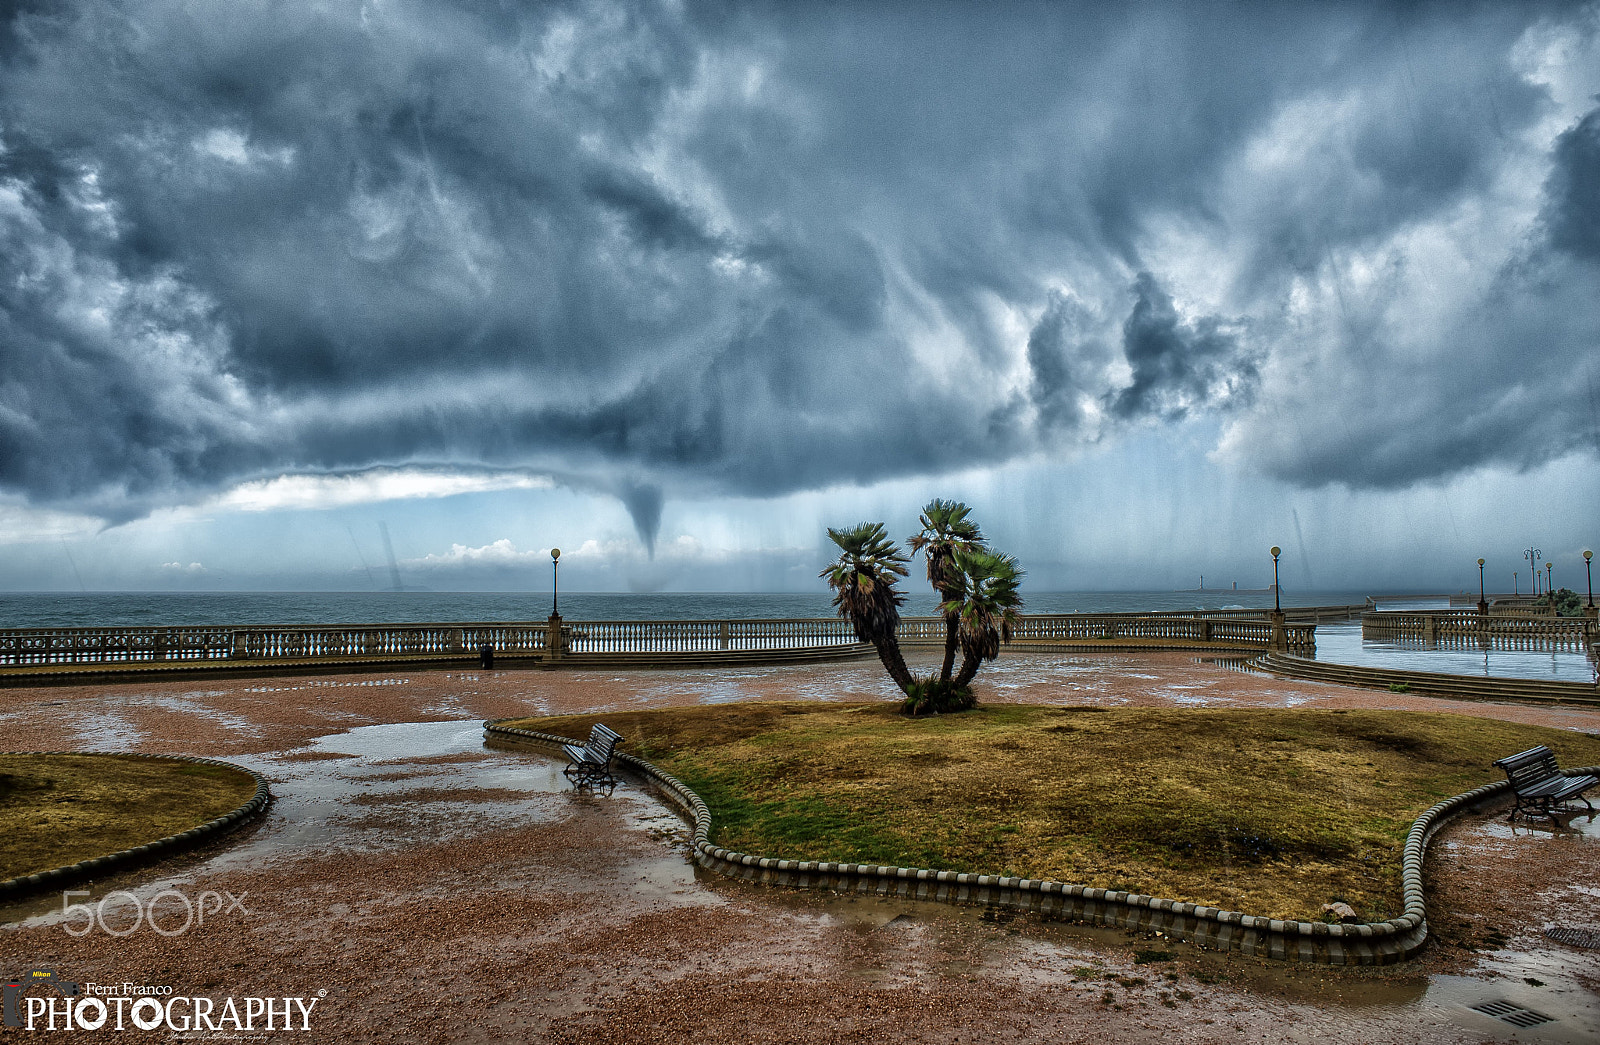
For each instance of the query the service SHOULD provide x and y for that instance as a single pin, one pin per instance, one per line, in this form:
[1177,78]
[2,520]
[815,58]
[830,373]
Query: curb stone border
[1434,683]
[150,850]
[1369,943]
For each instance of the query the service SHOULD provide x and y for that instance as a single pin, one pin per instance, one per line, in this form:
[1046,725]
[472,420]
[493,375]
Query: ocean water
[110,609]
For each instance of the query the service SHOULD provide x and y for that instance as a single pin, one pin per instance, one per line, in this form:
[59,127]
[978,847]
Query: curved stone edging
[1370,943]
[150,850]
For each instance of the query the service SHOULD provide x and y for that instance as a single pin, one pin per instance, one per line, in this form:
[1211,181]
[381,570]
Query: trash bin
[486,656]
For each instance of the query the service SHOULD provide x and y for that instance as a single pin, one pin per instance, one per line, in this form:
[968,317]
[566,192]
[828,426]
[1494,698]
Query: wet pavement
[441,890]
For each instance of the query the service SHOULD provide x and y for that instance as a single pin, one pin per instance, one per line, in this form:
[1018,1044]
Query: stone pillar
[554,647]
[1280,632]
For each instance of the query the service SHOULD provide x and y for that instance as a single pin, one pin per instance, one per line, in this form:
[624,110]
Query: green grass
[60,809]
[1271,812]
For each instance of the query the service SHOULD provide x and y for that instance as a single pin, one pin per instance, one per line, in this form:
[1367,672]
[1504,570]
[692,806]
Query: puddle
[1580,827]
[329,684]
[107,731]
[405,740]
[389,787]
[1539,984]
[192,704]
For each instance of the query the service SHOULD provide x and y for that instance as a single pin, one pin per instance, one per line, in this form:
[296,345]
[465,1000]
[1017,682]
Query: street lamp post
[1483,600]
[553,645]
[1532,554]
[555,598]
[1588,575]
[1549,583]
[1280,633]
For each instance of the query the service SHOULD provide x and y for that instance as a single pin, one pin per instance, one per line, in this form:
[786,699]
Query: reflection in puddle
[1577,825]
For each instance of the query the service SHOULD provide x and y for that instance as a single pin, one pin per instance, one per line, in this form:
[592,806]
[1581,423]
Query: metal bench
[589,766]
[1538,784]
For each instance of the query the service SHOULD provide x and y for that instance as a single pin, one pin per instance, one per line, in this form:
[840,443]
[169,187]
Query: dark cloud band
[661,248]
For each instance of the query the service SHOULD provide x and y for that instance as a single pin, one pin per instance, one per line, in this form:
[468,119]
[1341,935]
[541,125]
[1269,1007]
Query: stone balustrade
[1463,629]
[221,646]
[116,646]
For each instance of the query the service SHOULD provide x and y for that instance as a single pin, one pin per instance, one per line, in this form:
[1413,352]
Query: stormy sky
[677,285]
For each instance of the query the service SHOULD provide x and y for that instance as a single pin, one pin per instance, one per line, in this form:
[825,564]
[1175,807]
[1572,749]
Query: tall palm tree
[863,583]
[987,606]
[946,529]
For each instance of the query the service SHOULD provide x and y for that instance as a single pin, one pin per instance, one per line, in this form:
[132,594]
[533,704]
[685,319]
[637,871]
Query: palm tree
[946,529]
[863,582]
[987,606]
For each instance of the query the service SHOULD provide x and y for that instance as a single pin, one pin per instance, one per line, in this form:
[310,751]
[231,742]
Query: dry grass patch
[60,809]
[1270,812]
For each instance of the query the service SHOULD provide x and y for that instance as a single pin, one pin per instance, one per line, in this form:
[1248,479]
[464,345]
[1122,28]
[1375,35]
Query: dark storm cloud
[1067,361]
[1573,212]
[1179,366]
[652,248]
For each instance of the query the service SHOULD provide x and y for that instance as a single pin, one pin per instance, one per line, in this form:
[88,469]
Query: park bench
[1537,783]
[589,766]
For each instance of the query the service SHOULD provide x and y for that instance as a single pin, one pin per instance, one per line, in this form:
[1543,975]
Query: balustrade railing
[195,645]
[1469,630]
[689,636]
[43,646]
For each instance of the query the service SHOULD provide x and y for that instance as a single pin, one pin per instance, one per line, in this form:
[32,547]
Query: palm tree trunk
[969,670]
[894,663]
[951,640]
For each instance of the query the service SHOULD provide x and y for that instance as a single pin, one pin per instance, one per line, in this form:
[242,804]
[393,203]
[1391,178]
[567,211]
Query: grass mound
[59,809]
[1269,812]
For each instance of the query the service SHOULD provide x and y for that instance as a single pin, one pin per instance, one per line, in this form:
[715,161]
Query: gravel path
[442,892]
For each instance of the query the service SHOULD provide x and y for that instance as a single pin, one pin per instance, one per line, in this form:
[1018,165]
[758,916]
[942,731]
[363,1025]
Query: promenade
[443,892]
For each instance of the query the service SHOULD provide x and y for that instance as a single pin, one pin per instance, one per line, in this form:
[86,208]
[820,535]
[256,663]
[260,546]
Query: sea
[1337,642]
[281,608]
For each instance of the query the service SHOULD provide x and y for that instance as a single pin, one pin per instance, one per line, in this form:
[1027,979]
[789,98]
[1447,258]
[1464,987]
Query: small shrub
[1146,957]
[935,697]
[1565,603]
[1399,687]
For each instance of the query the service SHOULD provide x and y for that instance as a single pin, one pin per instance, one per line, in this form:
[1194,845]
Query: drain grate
[1515,1015]
[1588,938]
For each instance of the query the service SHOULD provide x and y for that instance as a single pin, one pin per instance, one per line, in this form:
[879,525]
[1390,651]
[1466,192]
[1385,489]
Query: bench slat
[1537,781]
[590,765]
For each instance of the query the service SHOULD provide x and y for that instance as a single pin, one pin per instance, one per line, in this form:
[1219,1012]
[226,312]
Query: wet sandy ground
[440,891]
